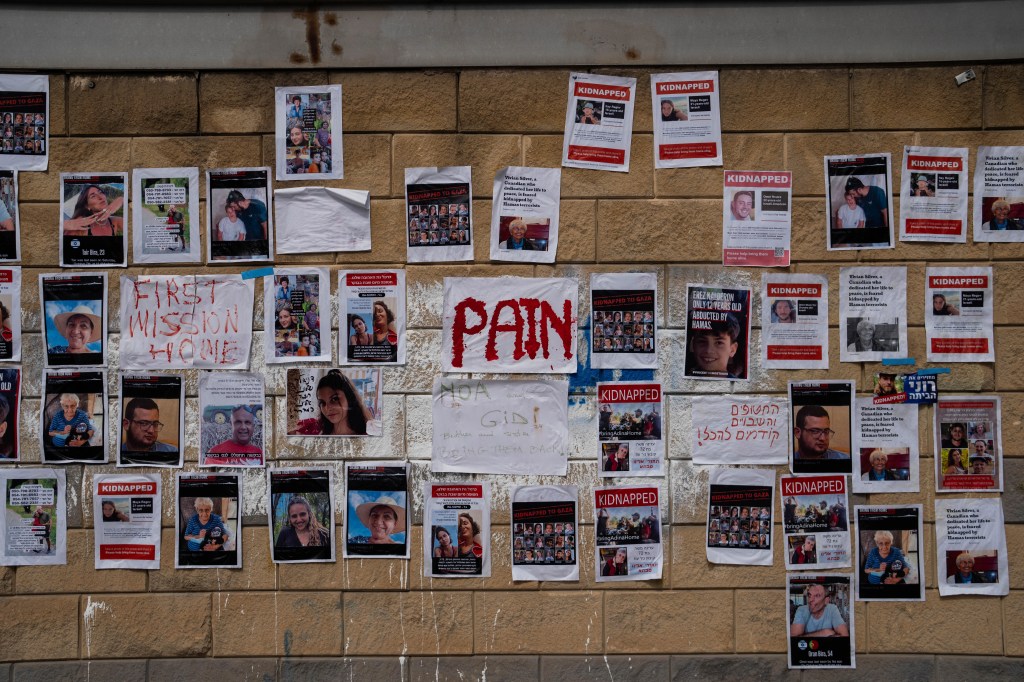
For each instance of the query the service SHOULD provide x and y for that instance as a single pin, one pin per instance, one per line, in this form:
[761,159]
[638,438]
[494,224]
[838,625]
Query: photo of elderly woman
[73,421]
[74,314]
[93,222]
[889,553]
[207,522]
[377,516]
[301,515]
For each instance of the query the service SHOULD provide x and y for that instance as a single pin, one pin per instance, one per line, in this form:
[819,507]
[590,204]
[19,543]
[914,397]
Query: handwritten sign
[500,427]
[735,429]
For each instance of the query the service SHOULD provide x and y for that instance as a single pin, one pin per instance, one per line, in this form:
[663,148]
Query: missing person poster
[500,427]
[958,315]
[322,219]
[822,413]
[334,402]
[740,516]
[687,119]
[93,228]
[815,521]
[971,545]
[740,429]
[165,215]
[969,438]
[456,530]
[10,218]
[819,610]
[794,321]
[757,218]
[232,424]
[35,520]
[25,117]
[435,236]
[914,388]
[10,414]
[152,420]
[372,305]
[933,195]
[207,524]
[890,553]
[301,515]
[73,416]
[240,222]
[858,195]
[297,315]
[999,194]
[629,428]
[10,314]
[74,318]
[524,214]
[544,523]
[628,540]
[509,324]
[717,333]
[377,510]
[887,447]
[126,520]
[308,133]
[872,313]
[598,122]
[624,307]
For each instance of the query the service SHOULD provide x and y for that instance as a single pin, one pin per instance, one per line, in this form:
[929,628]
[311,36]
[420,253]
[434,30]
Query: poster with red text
[456,530]
[757,218]
[629,543]
[624,307]
[687,119]
[126,519]
[372,309]
[740,516]
[439,208]
[968,443]
[598,122]
[958,305]
[34,526]
[815,521]
[933,195]
[25,112]
[794,321]
[740,429]
[629,429]
[544,523]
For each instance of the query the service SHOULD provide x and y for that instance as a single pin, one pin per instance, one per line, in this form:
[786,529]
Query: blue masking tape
[899,361]
[258,272]
[934,370]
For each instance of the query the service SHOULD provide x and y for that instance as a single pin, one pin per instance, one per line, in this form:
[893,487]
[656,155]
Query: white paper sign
[933,195]
[165,215]
[628,534]
[887,447]
[794,321]
[25,110]
[308,133]
[999,195]
[872,313]
[545,519]
[757,218]
[815,522]
[297,315]
[126,519]
[372,308]
[598,122]
[322,219]
[524,215]
[439,208]
[687,119]
[35,523]
[740,516]
[738,429]
[958,315]
[456,530]
[624,307]
[971,546]
[629,429]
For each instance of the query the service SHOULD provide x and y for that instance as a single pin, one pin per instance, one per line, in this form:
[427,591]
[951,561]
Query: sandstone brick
[79,671]
[674,230]
[678,631]
[914,98]
[280,623]
[761,668]
[688,544]
[577,231]
[321,576]
[1013,483]
[378,574]
[546,151]
[204,152]
[243,101]
[351,668]
[805,156]
[760,621]
[367,164]
[978,632]
[117,626]
[6,582]
[40,624]
[784,99]
[1013,421]
[407,623]
[58,106]
[257,572]
[462,668]
[1003,100]
[740,152]
[1008,280]
[149,104]
[513,100]
[399,101]
[628,668]
[79,574]
[73,155]
[243,669]
[40,237]
[485,153]
[537,622]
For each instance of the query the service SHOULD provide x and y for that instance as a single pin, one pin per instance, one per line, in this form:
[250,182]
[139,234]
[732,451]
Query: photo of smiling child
[717,332]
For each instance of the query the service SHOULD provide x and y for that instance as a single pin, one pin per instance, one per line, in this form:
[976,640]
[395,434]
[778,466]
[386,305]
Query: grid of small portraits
[23,133]
[438,224]
[740,527]
[627,331]
[544,543]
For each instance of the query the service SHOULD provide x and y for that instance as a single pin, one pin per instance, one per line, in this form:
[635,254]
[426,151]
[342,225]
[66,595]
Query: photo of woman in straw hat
[73,315]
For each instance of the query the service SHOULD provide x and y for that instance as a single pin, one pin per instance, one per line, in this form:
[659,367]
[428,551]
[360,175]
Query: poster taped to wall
[233,425]
[971,546]
[889,388]
[152,429]
[10,314]
[886,447]
[35,519]
[377,510]
[74,318]
[126,520]
[25,113]
[933,195]
[599,122]
[628,536]
[738,429]
[165,215]
[322,219]
[439,208]
[794,321]
[207,524]
[815,521]
[687,119]
[73,416]
[301,515]
[240,222]
[10,414]
[629,428]
[969,443]
[717,333]
[372,309]
[757,218]
[858,195]
[822,413]
[456,530]
[872,313]
[958,315]
[500,427]
[999,195]
[544,523]
[740,516]
[819,610]
[625,328]
[10,217]
[890,553]
[334,402]
[308,133]
[93,224]
[297,315]
[524,215]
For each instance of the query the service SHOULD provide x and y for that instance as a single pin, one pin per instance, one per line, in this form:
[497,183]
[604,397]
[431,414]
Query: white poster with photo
[629,430]
[545,519]
[858,199]
[999,194]
[10,217]
[74,318]
[208,520]
[872,313]
[25,117]
[152,426]
[333,401]
[599,122]
[240,218]
[500,427]
[628,537]
[307,135]
[233,426]
[322,219]
[10,314]
[890,553]
[377,510]
[126,520]
[301,515]
[456,530]
[624,306]
[165,215]
[822,414]
[524,214]
[297,315]
[717,333]
[815,521]
[757,218]
[740,516]
[794,321]
[740,429]
[968,437]
[73,419]
[970,542]
[439,208]
[371,304]
[186,321]
[958,305]
[887,447]
[509,324]
[687,119]
[35,523]
[933,195]
[93,220]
